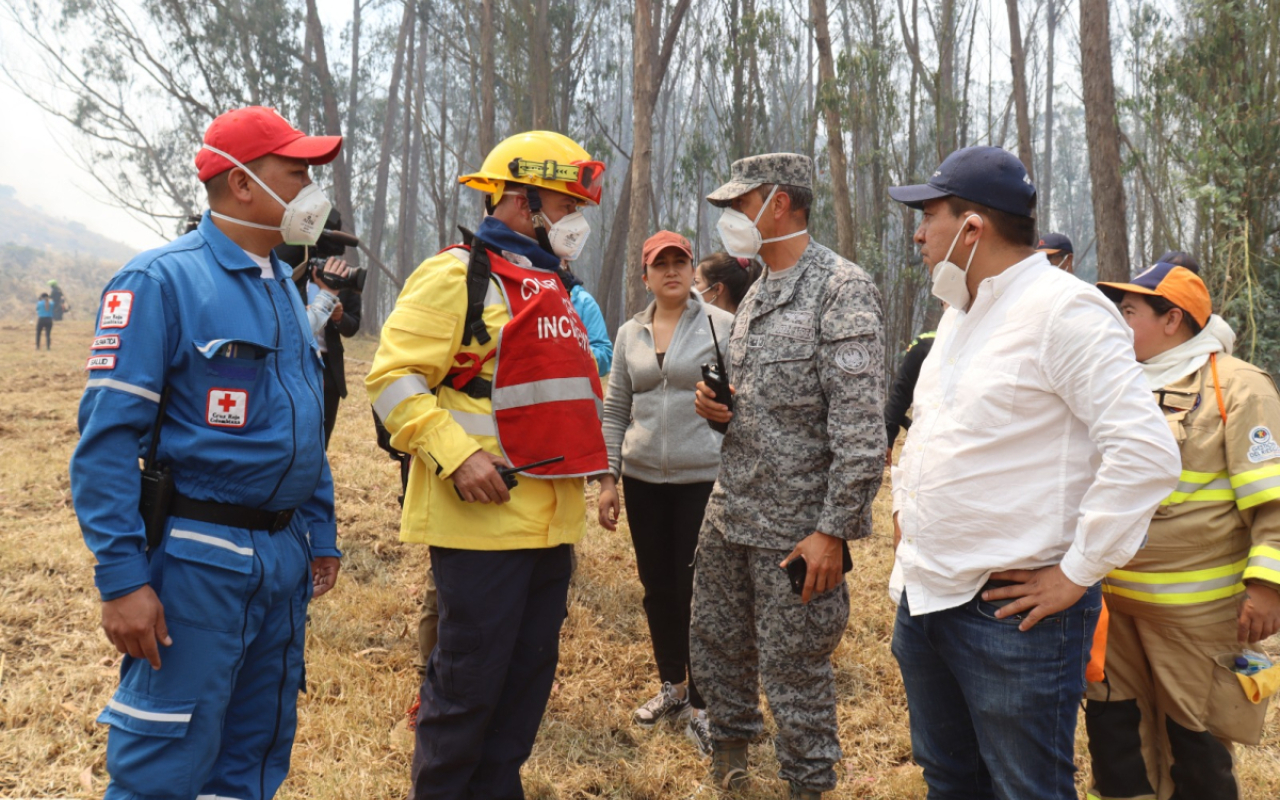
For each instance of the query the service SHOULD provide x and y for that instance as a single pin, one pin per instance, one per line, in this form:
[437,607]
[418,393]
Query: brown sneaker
[729,764]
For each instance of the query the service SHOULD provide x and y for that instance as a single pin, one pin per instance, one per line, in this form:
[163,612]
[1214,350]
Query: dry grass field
[57,670]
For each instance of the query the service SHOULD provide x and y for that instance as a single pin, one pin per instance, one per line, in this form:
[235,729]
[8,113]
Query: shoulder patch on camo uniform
[1263,445]
[853,358]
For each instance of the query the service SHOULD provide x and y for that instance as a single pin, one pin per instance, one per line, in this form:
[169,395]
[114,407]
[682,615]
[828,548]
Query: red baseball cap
[661,241]
[256,131]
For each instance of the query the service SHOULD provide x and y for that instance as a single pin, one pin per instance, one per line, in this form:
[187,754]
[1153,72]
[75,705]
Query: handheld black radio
[716,377]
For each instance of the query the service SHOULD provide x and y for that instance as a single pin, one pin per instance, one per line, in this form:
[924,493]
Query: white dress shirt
[1035,441]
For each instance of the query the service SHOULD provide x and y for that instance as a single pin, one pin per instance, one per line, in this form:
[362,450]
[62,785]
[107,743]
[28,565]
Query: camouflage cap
[792,169]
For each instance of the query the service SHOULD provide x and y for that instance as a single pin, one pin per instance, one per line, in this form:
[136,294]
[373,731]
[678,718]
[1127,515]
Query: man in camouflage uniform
[801,462]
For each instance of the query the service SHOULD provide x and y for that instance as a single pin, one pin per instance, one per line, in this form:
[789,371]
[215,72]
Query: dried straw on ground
[57,670]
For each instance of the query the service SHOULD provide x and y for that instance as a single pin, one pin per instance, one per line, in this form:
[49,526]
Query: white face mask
[739,234]
[304,215]
[569,235]
[949,284]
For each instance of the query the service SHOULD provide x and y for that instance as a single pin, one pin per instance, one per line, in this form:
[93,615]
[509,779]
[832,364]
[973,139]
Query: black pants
[490,675]
[665,519]
[332,399]
[44,324]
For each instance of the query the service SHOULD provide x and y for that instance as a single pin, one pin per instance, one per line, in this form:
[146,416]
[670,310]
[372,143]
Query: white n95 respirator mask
[739,234]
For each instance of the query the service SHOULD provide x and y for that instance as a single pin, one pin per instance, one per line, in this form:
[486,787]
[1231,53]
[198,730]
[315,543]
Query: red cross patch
[115,309]
[228,408]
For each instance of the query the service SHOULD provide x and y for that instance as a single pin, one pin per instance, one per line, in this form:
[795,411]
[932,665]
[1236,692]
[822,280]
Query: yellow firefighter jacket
[430,421]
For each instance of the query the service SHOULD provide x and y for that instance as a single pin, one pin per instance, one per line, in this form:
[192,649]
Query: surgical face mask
[949,284]
[739,234]
[702,293]
[304,215]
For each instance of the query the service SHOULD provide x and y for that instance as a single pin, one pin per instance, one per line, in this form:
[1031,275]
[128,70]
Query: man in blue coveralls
[207,335]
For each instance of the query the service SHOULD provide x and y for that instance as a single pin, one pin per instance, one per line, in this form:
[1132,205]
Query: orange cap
[661,241]
[1178,285]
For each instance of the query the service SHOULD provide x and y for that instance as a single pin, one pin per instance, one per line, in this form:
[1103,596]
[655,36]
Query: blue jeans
[993,709]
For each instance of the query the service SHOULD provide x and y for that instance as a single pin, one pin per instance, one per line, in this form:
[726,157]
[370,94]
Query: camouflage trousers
[748,629]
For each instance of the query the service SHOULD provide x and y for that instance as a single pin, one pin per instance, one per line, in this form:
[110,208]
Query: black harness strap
[478,274]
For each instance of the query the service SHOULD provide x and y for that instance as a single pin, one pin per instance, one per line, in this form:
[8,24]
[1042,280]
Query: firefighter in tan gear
[484,365]
[1205,585]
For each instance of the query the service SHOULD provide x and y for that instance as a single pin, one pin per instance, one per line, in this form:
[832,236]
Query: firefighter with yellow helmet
[1204,587]
[484,369]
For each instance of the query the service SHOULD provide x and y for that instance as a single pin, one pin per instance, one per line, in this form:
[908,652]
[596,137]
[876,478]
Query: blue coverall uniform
[244,426]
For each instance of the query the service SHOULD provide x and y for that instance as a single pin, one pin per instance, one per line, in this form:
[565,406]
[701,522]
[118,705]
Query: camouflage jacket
[805,449]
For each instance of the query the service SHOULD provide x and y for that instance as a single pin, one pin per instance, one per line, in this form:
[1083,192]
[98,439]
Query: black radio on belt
[157,484]
[716,377]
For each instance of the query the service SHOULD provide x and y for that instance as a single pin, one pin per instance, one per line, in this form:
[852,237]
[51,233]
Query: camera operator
[333,308]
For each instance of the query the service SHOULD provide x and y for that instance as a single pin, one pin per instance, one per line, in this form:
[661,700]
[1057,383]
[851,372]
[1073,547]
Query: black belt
[254,519]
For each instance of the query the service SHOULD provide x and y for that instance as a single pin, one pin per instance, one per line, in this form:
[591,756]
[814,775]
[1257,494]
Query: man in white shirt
[1033,466]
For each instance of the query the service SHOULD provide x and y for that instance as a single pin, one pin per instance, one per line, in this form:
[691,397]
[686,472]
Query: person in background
[723,280]
[1180,258]
[334,315]
[1032,470]
[904,387]
[668,458]
[1204,587]
[1057,248]
[589,312]
[60,304]
[44,320]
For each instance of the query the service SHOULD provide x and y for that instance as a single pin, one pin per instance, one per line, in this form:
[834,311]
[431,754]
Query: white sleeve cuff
[1080,570]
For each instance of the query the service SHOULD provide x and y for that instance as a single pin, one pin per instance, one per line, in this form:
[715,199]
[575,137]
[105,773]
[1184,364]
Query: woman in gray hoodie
[667,457]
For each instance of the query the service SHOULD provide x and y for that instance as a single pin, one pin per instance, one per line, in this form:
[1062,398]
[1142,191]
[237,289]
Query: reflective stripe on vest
[1264,564]
[552,390]
[1177,588]
[1201,487]
[1257,486]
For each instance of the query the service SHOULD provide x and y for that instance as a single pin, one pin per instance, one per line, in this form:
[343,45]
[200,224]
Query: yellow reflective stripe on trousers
[1201,487]
[1264,564]
[1257,486]
[1178,588]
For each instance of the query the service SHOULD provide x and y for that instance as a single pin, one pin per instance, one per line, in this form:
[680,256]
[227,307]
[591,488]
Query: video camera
[331,244]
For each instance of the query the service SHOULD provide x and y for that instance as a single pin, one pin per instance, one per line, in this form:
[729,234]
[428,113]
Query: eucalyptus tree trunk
[1103,133]
[829,99]
[1018,60]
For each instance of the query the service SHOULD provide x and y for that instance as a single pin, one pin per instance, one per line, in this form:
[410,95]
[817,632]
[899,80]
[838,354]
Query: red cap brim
[312,149]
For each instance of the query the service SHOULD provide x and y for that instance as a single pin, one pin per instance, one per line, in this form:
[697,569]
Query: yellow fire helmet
[539,158]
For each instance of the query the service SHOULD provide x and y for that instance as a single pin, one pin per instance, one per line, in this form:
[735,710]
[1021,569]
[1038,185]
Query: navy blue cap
[989,176]
[1055,243]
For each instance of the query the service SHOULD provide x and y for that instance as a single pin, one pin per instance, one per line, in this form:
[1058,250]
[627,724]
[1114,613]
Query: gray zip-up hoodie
[650,427]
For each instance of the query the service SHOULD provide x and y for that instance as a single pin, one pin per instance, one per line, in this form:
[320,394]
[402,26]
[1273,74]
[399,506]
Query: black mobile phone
[798,569]
[998,585]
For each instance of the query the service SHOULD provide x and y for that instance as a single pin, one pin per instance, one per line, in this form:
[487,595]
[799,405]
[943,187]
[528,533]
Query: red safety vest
[546,400]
